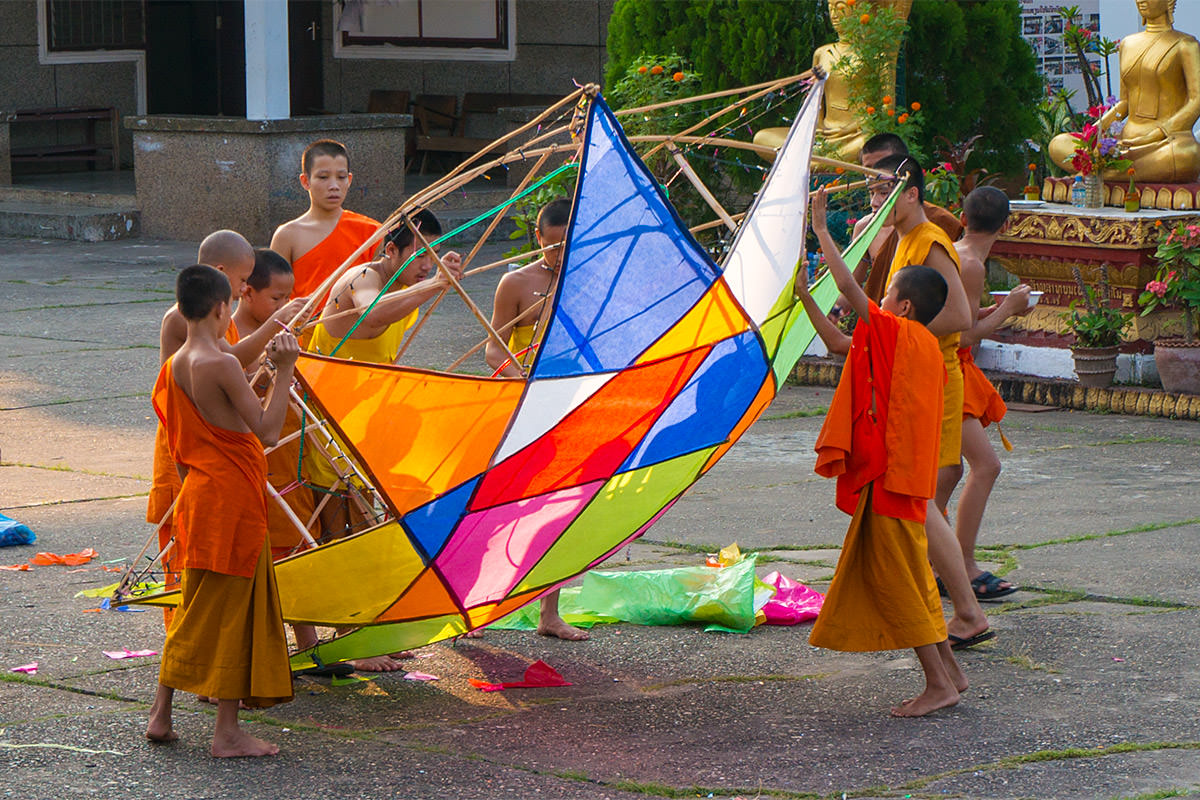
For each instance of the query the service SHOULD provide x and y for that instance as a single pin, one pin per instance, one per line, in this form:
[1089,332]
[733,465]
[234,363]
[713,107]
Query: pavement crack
[79,500]
[69,401]
[79,471]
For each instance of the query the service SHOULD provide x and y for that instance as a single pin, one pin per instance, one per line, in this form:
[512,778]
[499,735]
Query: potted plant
[1098,327]
[1096,151]
[1177,285]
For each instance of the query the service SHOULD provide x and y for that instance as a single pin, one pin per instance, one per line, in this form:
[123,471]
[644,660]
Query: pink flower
[948,166]
[852,221]
[1157,288]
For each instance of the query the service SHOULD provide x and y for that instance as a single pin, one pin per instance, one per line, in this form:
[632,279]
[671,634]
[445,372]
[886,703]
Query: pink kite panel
[492,549]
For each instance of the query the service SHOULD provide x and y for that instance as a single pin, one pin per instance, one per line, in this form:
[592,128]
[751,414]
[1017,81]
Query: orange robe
[164,488]
[312,268]
[914,248]
[227,639]
[880,440]
[980,398]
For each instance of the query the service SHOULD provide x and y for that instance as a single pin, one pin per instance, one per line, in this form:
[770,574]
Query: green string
[441,239]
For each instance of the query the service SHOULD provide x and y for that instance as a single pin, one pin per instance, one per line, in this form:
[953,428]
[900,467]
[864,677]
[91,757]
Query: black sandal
[988,587]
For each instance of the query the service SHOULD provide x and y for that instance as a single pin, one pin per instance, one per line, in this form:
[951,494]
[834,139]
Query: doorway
[196,58]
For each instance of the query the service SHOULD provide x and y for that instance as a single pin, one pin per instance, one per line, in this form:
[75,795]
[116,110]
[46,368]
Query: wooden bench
[88,150]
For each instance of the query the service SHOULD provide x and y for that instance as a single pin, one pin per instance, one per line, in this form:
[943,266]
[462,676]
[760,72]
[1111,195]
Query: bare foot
[953,670]
[926,702]
[475,634]
[241,744]
[561,630]
[403,654]
[376,664]
[159,730]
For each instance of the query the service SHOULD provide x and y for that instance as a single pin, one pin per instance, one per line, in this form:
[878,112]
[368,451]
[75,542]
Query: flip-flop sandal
[339,670]
[987,587]
[960,643]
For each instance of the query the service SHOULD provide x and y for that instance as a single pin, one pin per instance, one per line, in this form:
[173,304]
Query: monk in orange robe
[880,440]
[985,212]
[318,241]
[227,639]
[922,242]
[230,253]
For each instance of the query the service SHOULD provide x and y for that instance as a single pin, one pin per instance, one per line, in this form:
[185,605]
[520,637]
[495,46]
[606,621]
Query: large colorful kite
[654,361]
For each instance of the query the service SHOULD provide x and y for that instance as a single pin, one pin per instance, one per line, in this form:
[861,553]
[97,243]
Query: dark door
[196,58]
[306,38]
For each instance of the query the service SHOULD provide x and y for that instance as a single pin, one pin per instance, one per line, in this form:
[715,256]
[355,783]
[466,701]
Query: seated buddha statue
[1160,102]
[837,125]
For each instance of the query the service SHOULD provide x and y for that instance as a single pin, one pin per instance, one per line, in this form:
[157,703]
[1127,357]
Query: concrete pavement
[1090,689]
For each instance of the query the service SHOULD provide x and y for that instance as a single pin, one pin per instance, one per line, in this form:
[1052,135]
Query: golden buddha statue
[836,124]
[1160,102]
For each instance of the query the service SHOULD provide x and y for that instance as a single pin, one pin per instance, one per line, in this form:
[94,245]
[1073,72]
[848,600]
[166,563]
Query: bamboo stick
[716,223]
[705,194]
[458,288]
[291,515]
[712,95]
[510,259]
[502,329]
[833,162]
[423,318]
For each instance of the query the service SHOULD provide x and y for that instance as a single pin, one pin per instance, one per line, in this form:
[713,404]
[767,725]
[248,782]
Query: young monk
[230,253]
[922,242]
[319,240]
[227,639]
[520,311]
[871,272]
[880,439]
[377,338]
[267,290]
[985,211]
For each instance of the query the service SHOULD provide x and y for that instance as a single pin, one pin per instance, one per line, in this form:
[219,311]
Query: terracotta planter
[1095,366]
[1178,365]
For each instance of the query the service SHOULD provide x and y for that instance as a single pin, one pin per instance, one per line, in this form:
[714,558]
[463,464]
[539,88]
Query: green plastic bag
[525,618]
[723,597]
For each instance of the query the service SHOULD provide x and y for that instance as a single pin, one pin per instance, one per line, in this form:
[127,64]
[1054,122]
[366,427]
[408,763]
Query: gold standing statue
[837,126]
[1160,101]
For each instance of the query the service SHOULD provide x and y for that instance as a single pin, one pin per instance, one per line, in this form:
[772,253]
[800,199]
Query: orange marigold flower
[870,109]
[891,112]
[642,70]
[887,98]
[903,118]
[864,19]
[1033,166]
[839,170]
[1129,171]
[656,70]
[850,3]
[1158,223]
[678,76]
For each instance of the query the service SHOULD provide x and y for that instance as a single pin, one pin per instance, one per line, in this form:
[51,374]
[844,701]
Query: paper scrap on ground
[125,652]
[69,560]
[16,567]
[419,676]
[539,675]
[28,669]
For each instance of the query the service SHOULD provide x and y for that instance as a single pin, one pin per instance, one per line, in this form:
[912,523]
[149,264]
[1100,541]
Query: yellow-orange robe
[227,639]
[914,248]
[880,440]
[164,488]
[881,263]
[312,268]
[980,398]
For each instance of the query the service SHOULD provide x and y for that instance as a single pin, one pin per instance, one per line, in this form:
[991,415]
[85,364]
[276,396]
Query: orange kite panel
[426,597]
[486,614]
[421,433]
[715,316]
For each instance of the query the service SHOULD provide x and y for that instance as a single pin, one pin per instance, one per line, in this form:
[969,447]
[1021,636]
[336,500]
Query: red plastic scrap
[539,675]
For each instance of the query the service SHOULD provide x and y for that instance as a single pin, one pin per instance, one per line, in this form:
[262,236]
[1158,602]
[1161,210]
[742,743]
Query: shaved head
[225,249]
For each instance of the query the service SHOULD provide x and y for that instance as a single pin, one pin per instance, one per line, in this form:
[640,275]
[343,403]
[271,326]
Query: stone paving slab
[663,712]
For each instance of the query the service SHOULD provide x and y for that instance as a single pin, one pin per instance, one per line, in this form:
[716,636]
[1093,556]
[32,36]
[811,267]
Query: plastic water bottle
[1078,193]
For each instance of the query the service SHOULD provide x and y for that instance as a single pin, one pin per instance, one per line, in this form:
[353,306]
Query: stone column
[268,89]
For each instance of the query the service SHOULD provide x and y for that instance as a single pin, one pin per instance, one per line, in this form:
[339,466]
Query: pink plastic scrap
[793,602]
[28,669]
[540,675]
[419,676]
[125,652]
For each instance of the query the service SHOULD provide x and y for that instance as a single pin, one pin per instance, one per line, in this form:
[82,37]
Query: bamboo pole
[762,149]
[502,329]
[716,223]
[510,259]
[461,292]
[803,76]
[833,162]
[694,179]
[748,99]
[291,515]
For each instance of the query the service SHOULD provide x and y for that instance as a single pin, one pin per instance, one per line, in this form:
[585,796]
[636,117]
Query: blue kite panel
[710,405]
[432,523]
[631,268]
